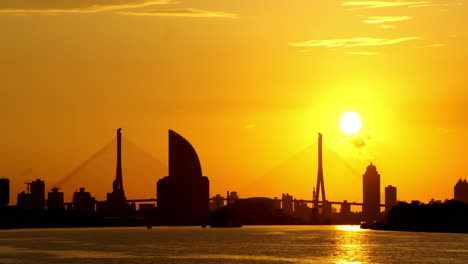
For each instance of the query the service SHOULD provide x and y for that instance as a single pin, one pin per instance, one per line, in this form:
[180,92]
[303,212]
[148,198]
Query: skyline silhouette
[237,85]
[182,198]
[73,182]
[245,131]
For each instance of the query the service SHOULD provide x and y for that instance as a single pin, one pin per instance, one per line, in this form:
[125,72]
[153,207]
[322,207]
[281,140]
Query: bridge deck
[224,199]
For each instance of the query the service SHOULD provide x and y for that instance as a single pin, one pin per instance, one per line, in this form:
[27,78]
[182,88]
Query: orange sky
[249,83]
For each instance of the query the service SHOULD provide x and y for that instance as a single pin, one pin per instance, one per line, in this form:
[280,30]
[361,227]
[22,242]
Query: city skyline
[251,85]
[185,165]
[233,131]
[183,199]
[101,194]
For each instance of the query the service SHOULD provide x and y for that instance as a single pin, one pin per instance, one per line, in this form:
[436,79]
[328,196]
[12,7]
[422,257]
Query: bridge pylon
[319,190]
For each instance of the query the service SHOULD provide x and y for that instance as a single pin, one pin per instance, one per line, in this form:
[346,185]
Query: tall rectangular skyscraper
[371,194]
[55,200]
[4,191]
[38,194]
[461,191]
[390,197]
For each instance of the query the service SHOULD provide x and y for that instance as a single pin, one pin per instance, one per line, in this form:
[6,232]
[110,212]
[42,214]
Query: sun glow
[350,122]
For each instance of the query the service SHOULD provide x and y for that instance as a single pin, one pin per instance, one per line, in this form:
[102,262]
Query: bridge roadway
[225,199]
[211,199]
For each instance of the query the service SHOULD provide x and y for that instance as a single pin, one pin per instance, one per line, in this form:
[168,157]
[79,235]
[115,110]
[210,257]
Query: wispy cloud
[366,53]
[353,42]
[72,6]
[381,4]
[432,45]
[386,19]
[387,26]
[178,12]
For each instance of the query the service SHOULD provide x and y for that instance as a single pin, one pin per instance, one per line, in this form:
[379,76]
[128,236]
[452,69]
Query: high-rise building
[327,209]
[83,203]
[371,193]
[55,200]
[302,211]
[4,192]
[461,191]
[287,204]
[233,197]
[345,208]
[38,194]
[296,205]
[24,200]
[390,197]
[277,203]
[217,202]
[183,196]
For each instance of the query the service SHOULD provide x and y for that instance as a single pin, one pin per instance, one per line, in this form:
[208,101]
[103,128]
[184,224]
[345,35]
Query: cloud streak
[387,26]
[432,45]
[72,6]
[178,12]
[381,4]
[367,53]
[385,19]
[353,42]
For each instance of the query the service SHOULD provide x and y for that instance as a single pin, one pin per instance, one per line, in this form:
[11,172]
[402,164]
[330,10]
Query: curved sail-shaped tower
[183,196]
[183,159]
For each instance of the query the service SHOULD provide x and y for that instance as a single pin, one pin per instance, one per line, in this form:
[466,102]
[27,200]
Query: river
[250,244]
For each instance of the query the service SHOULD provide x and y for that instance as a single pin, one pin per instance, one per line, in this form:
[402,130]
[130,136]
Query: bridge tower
[320,187]
[116,204]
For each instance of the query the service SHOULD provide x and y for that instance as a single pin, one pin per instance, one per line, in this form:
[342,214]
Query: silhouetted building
[296,205]
[302,211]
[116,200]
[345,208]
[256,211]
[83,203]
[233,197]
[55,200]
[146,208]
[217,202]
[38,194]
[461,191]
[277,204]
[390,197]
[183,196]
[450,216]
[4,192]
[371,193]
[326,209]
[24,201]
[287,204]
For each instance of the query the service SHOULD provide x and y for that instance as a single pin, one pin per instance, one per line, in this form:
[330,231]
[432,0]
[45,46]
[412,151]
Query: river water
[251,244]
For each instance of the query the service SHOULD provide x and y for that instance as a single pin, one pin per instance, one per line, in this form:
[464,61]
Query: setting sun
[350,123]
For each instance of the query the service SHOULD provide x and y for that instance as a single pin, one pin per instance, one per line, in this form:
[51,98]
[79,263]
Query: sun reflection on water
[352,245]
[349,228]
